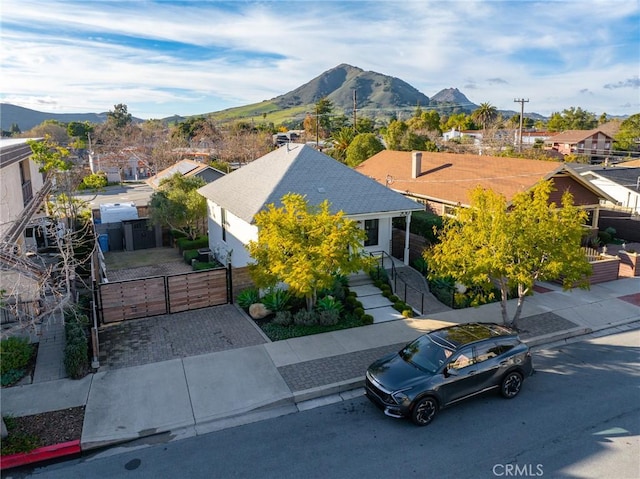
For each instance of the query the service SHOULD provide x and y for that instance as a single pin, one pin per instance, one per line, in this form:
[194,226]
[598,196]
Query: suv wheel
[511,385]
[424,411]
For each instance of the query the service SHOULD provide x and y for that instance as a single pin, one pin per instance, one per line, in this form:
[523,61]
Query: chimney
[416,164]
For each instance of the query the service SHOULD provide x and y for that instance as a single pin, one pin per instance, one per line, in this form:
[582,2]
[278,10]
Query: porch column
[406,239]
[596,218]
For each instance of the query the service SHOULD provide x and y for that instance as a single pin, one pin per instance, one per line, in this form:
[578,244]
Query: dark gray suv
[448,365]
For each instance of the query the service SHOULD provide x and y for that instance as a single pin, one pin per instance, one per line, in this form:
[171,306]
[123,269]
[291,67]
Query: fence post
[229,284]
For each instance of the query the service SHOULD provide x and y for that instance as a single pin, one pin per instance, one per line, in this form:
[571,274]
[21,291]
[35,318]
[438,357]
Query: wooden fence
[141,298]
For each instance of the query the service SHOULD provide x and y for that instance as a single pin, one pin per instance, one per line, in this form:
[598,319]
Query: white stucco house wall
[622,184]
[22,190]
[235,199]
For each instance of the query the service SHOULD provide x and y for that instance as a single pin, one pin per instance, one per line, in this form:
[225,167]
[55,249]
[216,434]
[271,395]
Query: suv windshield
[426,354]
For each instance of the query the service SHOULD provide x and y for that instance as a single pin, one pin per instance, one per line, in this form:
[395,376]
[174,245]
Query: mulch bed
[50,428]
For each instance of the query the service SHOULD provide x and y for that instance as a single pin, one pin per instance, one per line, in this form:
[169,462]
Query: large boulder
[258,311]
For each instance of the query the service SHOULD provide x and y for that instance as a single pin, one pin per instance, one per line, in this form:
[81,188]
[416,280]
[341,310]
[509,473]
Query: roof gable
[576,136]
[185,168]
[298,168]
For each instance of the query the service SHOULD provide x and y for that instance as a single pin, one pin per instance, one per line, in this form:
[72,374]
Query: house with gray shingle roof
[186,168]
[235,199]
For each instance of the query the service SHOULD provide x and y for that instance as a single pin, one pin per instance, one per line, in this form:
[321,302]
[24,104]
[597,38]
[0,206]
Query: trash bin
[103,241]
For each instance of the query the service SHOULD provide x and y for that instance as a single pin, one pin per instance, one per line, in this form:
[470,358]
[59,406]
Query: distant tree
[394,134]
[305,246]
[628,137]
[363,147]
[341,140]
[485,114]
[603,119]
[324,113]
[80,131]
[119,117]
[49,128]
[495,245]
[14,130]
[459,121]
[49,155]
[365,125]
[572,119]
[178,205]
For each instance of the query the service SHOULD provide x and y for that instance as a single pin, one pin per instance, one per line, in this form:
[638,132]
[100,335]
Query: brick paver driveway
[178,335]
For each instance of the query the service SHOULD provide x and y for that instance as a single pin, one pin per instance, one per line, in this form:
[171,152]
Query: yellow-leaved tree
[493,244]
[305,246]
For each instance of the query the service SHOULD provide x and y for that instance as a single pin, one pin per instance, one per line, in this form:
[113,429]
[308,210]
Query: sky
[162,58]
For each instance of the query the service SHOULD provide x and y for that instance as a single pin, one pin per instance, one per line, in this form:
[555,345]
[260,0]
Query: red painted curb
[40,454]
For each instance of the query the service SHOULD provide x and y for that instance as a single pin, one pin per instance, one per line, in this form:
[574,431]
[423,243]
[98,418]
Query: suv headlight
[399,396]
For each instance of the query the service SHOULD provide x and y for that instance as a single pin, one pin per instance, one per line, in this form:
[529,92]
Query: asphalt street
[577,417]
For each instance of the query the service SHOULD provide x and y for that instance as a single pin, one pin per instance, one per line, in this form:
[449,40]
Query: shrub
[305,318]
[283,318]
[329,303]
[186,244]
[379,274]
[351,301]
[94,181]
[359,312]
[12,376]
[393,298]
[604,237]
[328,317]
[76,350]
[15,353]
[202,265]
[247,297]
[407,313]
[366,319]
[420,264]
[17,442]
[276,300]
[400,306]
[189,255]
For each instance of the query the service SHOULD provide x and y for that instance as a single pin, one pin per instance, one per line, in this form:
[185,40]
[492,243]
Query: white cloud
[88,56]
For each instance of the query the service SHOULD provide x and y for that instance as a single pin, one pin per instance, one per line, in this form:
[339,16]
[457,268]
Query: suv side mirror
[449,371]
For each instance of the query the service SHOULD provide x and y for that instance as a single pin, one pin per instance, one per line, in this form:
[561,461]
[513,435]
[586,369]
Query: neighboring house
[127,164]
[443,181]
[454,134]
[529,138]
[186,168]
[595,144]
[235,199]
[23,190]
[622,184]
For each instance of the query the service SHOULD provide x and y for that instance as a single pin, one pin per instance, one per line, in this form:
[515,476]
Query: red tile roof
[449,178]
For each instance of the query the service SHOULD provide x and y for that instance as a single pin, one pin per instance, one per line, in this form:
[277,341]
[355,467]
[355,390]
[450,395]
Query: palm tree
[341,141]
[485,114]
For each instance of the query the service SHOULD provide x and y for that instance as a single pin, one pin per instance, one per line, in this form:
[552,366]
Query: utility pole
[355,130]
[522,101]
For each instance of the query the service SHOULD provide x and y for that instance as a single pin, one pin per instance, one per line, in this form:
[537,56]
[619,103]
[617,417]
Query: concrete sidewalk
[199,394]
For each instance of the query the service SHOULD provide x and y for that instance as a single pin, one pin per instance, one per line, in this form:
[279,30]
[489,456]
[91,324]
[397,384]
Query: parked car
[448,365]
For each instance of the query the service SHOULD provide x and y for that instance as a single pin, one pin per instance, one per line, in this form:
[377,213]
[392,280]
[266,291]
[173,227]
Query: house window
[371,228]
[223,223]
